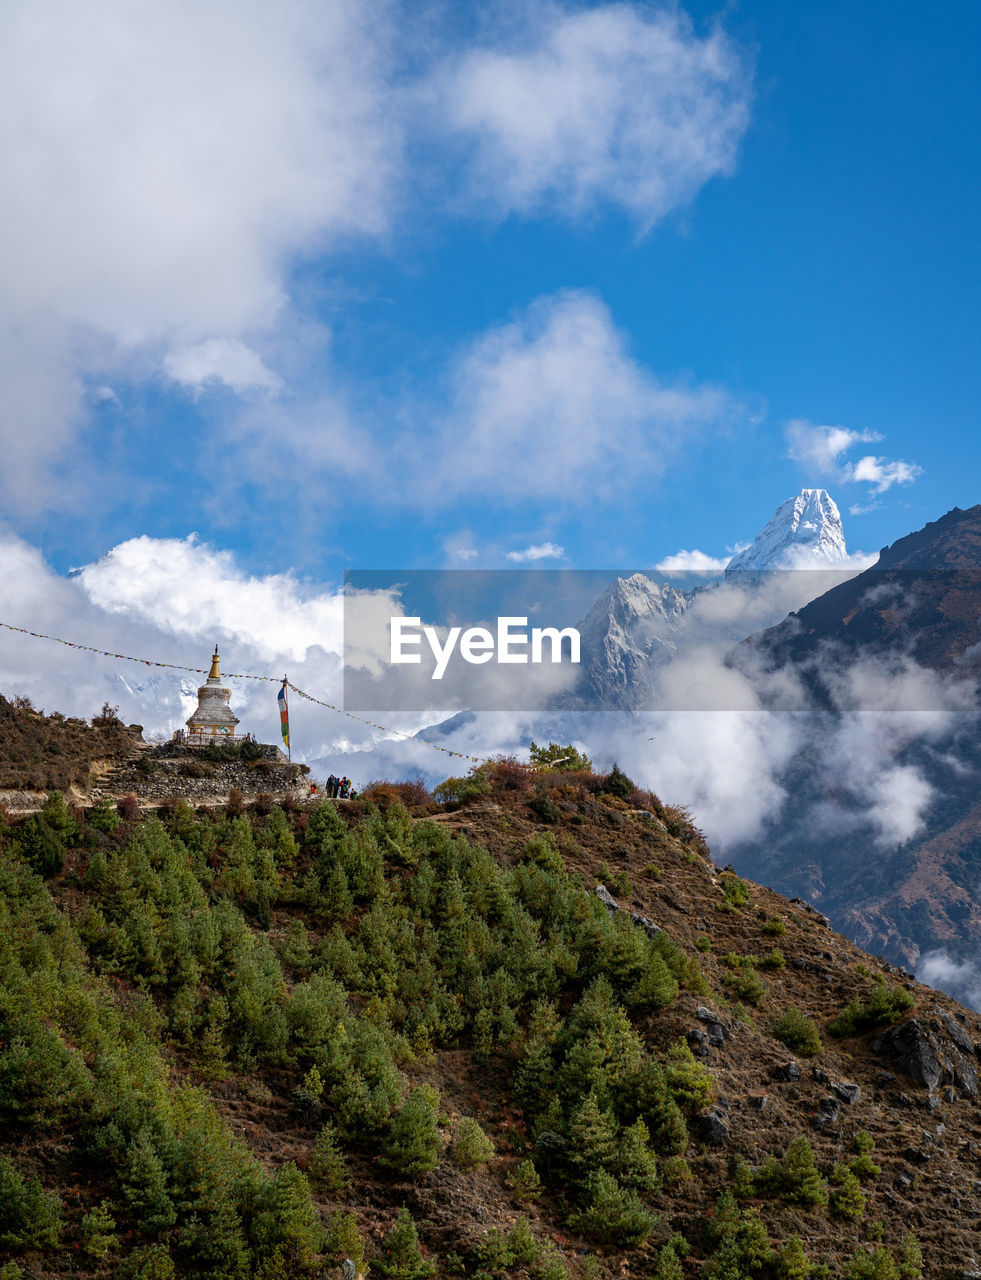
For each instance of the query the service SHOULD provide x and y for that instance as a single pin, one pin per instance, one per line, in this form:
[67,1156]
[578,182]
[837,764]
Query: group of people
[340,788]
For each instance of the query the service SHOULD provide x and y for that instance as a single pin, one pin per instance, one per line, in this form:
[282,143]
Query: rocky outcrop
[611,904]
[933,1051]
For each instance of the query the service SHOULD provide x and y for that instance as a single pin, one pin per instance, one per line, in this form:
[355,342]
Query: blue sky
[387,286]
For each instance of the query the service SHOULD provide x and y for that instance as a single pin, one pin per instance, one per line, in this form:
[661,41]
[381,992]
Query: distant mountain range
[639,623]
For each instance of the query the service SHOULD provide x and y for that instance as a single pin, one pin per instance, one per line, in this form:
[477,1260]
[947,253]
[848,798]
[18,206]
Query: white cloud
[459,547]
[167,165]
[218,360]
[552,407]
[614,104]
[692,561]
[959,978]
[169,600]
[821,450]
[881,473]
[188,589]
[162,165]
[537,551]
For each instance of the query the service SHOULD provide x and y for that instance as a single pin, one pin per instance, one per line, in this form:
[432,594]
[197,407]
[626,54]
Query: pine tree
[636,1166]
[471,1146]
[792,1262]
[338,901]
[610,1213]
[413,1142]
[327,1167]
[591,1137]
[401,1255]
[846,1199]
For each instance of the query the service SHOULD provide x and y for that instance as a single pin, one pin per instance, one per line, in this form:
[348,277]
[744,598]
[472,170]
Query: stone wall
[188,774]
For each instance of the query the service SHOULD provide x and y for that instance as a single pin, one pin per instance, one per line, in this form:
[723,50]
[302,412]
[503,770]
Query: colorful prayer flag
[284,716]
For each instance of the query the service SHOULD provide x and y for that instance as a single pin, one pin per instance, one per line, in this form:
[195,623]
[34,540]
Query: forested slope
[255,1044]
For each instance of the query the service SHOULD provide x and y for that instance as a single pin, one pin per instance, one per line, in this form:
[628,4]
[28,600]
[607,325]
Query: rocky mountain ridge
[900,642]
[805,532]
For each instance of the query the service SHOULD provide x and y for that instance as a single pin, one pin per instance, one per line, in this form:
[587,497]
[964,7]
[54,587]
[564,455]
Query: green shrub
[775,927]
[798,1033]
[470,1147]
[401,1255]
[792,1263]
[343,1240]
[773,959]
[501,1251]
[885,1006]
[863,1166]
[623,886]
[58,816]
[522,1245]
[794,1178]
[99,1232]
[703,943]
[460,790]
[103,816]
[675,1172]
[544,852]
[41,846]
[525,1182]
[742,1184]
[152,1262]
[872,1264]
[544,807]
[690,1082]
[909,1258]
[611,1214]
[742,1244]
[287,1222]
[669,1259]
[746,985]
[847,1200]
[735,892]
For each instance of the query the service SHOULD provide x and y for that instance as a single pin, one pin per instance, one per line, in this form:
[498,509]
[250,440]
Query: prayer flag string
[238,675]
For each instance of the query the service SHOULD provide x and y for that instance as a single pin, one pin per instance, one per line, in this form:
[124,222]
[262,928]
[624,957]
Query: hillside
[52,752]
[237,1044]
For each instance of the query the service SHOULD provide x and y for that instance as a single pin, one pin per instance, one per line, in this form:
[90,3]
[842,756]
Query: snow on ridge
[804,533]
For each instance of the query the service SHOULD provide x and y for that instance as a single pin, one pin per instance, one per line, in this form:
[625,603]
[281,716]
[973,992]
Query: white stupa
[213,720]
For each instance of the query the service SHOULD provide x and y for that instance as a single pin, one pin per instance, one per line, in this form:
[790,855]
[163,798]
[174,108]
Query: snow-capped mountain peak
[805,533]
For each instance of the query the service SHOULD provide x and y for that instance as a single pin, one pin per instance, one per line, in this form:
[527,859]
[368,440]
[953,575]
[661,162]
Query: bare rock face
[933,1051]
[611,904]
[714,1126]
